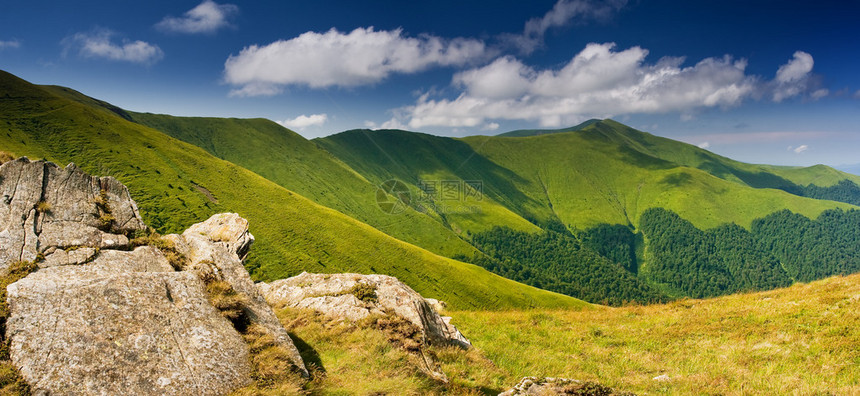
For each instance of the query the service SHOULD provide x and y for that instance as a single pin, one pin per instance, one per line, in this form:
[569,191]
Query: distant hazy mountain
[853,169]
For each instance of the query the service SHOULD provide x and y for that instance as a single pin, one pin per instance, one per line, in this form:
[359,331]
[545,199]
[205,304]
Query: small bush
[5,157]
[400,332]
[230,303]
[43,206]
[106,222]
[11,382]
[363,292]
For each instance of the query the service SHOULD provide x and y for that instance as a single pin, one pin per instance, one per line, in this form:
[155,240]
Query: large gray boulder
[44,208]
[213,250]
[98,318]
[345,296]
[96,330]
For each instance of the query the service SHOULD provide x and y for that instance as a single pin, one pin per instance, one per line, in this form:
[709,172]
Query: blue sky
[759,81]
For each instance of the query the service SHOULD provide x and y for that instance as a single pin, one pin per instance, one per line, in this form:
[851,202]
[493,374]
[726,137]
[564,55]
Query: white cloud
[207,17]
[363,56]
[491,126]
[9,44]
[562,13]
[599,81]
[819,93]
[801,148]
[99,44]
[792,78]
[301,122]
[704,145]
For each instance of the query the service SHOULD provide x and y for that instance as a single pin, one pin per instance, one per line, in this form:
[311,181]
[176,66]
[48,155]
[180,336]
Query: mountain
[593,186]
[536,132]
[584,211]
[177,184]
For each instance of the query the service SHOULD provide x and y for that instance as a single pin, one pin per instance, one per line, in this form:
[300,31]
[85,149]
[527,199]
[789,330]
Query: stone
[44,207]
[331,294]
[98,330]
[213,249]
[98,317]
[541,386]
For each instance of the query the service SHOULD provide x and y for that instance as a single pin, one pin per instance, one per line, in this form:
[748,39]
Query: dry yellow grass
[804,339]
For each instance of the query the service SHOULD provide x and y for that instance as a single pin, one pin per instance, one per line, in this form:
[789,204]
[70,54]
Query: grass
[293,234]
[349,359]
[636,171]
[299,165]
[804,339]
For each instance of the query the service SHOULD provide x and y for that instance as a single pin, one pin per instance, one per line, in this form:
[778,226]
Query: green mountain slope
[299,165]
[422,160]
[605,173]
[177,184]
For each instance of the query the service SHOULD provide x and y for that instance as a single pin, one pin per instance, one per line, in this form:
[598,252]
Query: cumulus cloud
[207,17]
[491,126]
[334,58]
[704,145]
[9,44]
[792,78]
[800,149]
[599,81]
[562,13]
[301,122]
[100,44]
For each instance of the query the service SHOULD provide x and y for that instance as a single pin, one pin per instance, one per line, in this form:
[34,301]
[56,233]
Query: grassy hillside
[609,173]
[799,340]
[412,157]
[603,173]
[299,165]
[177,184]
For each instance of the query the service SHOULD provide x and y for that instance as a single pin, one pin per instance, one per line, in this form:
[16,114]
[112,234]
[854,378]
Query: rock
[226,229]
[335,295]
[213,249]
[44,207]
[102,331]
[439,306]
[662,378]
[97,318]
[547,386]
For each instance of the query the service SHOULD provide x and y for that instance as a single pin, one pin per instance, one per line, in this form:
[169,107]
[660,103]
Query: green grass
[409,157]
[631,176]
[299,165]
[166,177]
[804,339]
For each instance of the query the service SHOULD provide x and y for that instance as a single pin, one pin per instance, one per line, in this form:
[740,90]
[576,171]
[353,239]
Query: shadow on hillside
[309,355]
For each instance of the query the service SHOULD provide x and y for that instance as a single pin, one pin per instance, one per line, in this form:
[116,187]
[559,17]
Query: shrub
[43,206]
[5,157]
[364,292]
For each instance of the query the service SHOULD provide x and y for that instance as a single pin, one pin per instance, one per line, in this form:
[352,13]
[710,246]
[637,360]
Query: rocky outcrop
[354,297]
[548,386]
[213,249]
[100,318]
[45,208]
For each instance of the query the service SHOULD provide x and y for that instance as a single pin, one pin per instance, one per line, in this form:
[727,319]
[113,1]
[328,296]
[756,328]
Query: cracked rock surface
[333,295]
[98,318]
[44,208]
